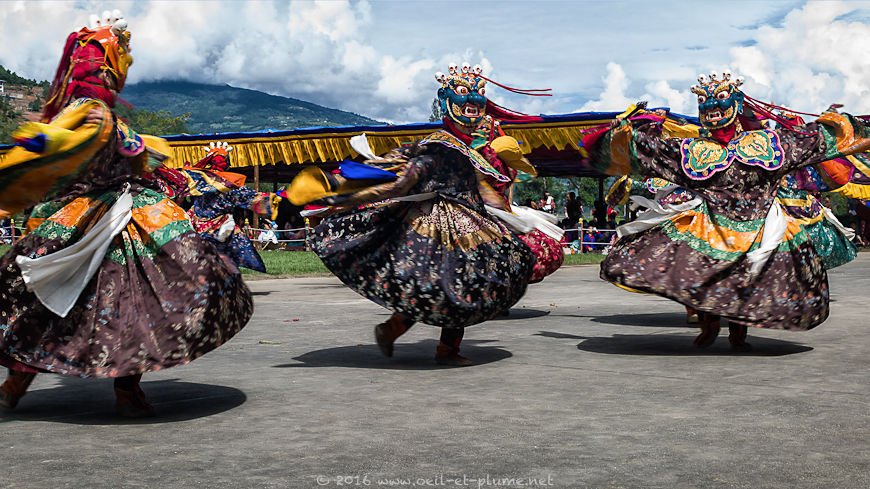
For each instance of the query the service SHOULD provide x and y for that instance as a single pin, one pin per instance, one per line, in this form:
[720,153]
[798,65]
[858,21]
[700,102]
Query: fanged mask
[461,94]
[719,100]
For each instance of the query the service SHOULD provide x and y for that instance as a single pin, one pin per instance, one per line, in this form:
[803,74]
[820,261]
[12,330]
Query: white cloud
[679,101]
[613,97]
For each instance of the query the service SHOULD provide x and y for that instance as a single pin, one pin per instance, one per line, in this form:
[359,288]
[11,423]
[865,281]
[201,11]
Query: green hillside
[222,108]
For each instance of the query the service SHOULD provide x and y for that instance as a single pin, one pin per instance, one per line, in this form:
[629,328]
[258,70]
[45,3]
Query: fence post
[581,238]
[307,228]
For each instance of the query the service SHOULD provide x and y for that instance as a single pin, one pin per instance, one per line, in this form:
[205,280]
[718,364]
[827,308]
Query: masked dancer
[720,258]
[423,245]
[111,280]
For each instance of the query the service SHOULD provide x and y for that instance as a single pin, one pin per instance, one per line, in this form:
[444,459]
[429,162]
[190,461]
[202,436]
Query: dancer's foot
[14,388]
[449,356]
[388,331]
[133,404]
[737,338]
[709,330]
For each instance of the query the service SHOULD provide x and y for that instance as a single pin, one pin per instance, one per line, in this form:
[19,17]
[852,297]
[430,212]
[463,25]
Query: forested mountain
[222,108]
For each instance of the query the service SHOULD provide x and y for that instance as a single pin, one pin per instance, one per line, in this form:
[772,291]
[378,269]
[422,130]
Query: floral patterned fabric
[699,258]
[548,254]
[441,261]
[162,296]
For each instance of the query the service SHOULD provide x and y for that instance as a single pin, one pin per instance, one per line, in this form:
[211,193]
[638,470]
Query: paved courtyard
[583,385]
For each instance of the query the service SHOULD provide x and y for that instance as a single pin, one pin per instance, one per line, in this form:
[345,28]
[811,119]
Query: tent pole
[257,189]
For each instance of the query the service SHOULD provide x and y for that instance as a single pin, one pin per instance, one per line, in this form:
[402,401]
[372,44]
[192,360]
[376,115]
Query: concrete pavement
[584,385]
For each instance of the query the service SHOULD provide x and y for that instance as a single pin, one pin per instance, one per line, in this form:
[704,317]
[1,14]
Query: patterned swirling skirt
[700,260]
[548,252]
[161,297]
[437,262]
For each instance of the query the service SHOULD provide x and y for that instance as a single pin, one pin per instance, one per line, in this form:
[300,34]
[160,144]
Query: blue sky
[378,58]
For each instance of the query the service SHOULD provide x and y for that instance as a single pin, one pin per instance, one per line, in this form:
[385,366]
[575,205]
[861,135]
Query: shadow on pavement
[407,356]
[681,345]
[563,336]
[92,402]
[652,320]
[521,313]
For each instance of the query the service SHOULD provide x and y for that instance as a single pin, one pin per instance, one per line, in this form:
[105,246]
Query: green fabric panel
[46,209]
[701,246]
[53,230]
[170,231]
[147,197]
[116,253]
[830,142]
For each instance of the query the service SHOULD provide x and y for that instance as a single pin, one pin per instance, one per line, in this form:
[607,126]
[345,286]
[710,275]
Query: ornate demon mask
[719,100]
[461,94]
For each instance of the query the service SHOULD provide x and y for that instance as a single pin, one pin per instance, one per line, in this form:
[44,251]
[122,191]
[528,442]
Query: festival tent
[550,142]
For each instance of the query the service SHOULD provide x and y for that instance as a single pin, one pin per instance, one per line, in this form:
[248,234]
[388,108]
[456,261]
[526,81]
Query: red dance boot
[737,338]
[447,352]
[389,331]
[131,403]
[447,355]
[14,388]
[709,324]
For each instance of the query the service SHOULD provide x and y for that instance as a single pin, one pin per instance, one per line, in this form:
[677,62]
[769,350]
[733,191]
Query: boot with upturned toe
[389,331]
[133,404]
[709,324]
[449,356]
[737,338]
[14,388]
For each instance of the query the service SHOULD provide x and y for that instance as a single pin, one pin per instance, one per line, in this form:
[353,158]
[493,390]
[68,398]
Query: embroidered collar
[445,138]
[703,157]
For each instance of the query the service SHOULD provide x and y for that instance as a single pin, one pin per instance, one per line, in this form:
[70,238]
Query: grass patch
[300,263]
[585,258]
[283,263]
[4,248]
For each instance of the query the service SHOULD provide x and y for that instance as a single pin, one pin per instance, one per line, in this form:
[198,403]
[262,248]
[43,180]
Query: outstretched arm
[831,136]
[636,146]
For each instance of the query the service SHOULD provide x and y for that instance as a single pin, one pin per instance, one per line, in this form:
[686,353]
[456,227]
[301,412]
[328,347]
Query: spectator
[590,240]
[533,204]
[548,203]
[599,213]
[573,212]
[611,222]
[268,236]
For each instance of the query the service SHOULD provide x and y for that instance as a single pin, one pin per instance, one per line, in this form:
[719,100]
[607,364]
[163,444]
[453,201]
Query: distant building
[20,97]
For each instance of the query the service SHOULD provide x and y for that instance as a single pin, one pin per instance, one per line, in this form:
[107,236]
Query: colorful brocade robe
[737,182]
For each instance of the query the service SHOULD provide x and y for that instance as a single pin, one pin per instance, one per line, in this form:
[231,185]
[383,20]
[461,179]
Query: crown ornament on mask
[719,81]
[465,75]
[222,148]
